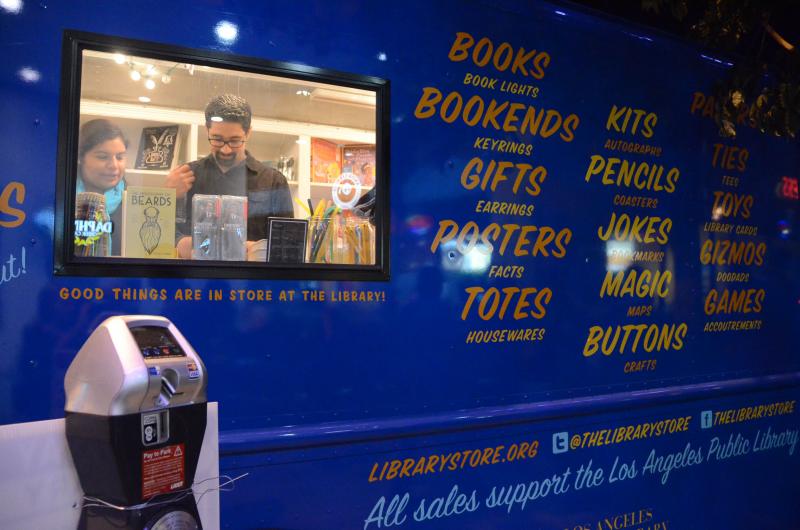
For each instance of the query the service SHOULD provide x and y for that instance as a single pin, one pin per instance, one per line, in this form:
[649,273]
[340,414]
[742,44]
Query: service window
[178,162]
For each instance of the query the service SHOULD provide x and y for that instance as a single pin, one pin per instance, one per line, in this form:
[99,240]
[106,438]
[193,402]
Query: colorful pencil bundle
[339,237]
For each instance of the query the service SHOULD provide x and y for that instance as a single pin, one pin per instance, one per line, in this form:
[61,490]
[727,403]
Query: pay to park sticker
[163,470]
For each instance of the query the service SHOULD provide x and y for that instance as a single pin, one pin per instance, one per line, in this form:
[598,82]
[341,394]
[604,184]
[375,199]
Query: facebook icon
[706,419]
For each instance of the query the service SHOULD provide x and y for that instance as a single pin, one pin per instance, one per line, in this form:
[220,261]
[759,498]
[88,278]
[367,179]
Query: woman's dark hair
[95,132]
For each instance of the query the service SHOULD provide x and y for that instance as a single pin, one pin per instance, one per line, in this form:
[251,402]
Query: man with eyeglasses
[230,170]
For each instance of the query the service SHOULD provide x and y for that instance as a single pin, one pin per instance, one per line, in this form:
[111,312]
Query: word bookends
[157,147]
[148,223]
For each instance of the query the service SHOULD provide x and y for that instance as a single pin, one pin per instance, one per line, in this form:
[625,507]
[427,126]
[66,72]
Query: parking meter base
[181,513]
[109,453]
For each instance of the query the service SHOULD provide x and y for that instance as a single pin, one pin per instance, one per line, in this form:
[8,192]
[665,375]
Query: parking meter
[135,420]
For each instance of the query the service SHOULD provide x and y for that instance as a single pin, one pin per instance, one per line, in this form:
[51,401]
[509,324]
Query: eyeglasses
[233,144]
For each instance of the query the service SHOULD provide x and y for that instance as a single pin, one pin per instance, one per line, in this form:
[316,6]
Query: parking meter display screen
[155,342]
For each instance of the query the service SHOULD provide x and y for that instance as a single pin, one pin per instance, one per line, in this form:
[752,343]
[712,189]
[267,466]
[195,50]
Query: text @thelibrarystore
[628,433]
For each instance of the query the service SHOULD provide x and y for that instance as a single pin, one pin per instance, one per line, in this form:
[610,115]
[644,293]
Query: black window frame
[67,264]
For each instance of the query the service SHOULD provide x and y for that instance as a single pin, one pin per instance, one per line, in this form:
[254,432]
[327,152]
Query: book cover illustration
[148,222]
[360,161]
[157,147]
[326,161]
[150,231]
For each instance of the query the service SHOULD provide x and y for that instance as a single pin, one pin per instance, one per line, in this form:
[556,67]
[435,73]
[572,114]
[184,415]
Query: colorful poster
[360,161]
[326,161]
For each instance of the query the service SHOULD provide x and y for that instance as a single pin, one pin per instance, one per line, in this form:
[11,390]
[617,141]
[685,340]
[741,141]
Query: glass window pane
[189,165]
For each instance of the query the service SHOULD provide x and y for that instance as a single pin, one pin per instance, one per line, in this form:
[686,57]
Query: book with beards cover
[148,222]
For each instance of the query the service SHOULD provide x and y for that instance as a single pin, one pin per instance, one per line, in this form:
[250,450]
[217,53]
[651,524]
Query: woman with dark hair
[102,154]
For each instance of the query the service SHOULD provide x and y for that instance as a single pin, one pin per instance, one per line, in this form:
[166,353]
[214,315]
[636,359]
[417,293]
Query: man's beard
[226,162]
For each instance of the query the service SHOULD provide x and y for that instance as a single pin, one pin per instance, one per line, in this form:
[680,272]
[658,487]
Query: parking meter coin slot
[172,382]
[151,425]
[155,427]
[168,387]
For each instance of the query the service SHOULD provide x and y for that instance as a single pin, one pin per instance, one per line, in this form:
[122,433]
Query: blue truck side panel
[314,394]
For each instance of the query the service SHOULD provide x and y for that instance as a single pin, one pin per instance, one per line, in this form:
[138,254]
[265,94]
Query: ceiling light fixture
[150,72]
[327,95]
[167,77]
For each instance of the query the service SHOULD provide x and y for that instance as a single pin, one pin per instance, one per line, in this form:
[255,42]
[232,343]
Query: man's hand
[184,247]
[182,179]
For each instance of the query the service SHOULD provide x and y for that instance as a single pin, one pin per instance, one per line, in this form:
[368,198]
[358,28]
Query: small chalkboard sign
[287,240]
